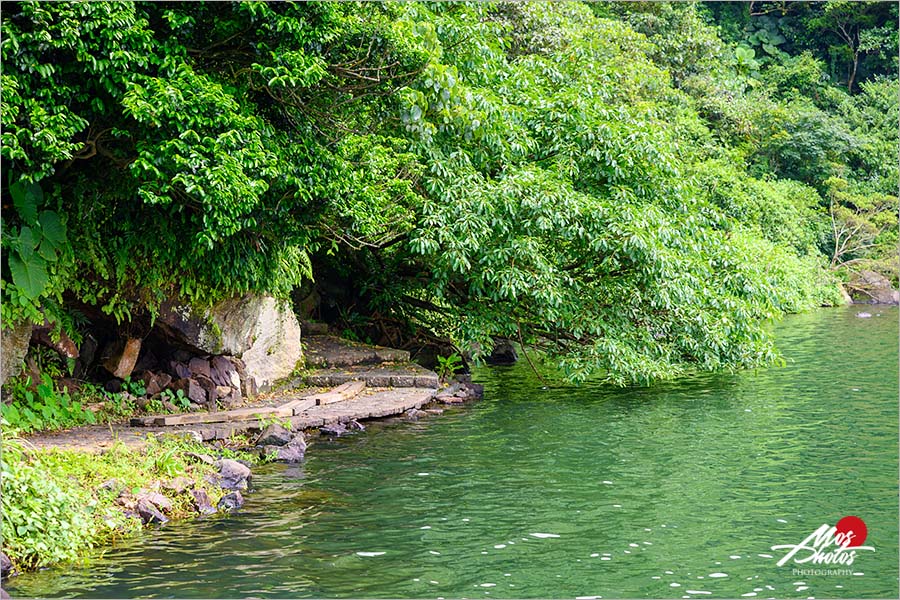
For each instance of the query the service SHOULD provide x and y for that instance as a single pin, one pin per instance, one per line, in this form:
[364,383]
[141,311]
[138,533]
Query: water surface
[678,490]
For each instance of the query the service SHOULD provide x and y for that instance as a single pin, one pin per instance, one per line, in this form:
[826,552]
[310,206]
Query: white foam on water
[605,558]
[647,529]
[757,589]
[465,520]
[507,574]
[734,556]
[702,592]
[499,546]
[608,482]
[543,535]
[617,506]
[588,597]
[607,554]
[669,573]
[716,575]
[508,542]
[634,545]
[840,587]
[369,553]
[769,587]
[747,410]
[802,588]
[656,577]
[674,585]
[425,527]
[799,583]
[859,573]
[781,520]
[423,474]
[764,555]
[488,585]
[484,552]
[627,551]
[435,552]
[416,579]
[648,543]
[594,555]
[748,595]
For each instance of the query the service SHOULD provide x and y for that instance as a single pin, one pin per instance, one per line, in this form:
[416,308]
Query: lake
[676,490]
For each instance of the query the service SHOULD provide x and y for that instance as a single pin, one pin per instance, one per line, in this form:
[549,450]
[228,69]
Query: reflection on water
[679,490]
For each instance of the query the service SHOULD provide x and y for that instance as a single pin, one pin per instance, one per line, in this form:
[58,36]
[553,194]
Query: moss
[60,503]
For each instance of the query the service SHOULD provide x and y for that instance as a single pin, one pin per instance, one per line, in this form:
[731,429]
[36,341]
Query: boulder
[292,452]
[334,429]
[504,353]
[191,389]
[873,288]
[354,425]
[14,342]
[121,357]
[43,335]
[228,396]
[202,502]
[233,475]
[261,331]
[224,372]
[274,435]
[199,366]
[157,499]
[149,513]
[231,501]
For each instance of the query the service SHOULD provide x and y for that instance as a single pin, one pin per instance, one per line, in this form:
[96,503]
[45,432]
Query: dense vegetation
[632,187]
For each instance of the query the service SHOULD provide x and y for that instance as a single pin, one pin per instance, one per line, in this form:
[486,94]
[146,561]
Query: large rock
[504,353]
[292,452]
[14,342]
[873,288]
[233,475]
[259,330]
[122,356]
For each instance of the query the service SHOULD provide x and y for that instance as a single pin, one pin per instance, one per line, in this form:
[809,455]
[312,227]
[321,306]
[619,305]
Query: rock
[157,499]
[873,288]
[204,458]
[5,564]
[199,366]
[223,372]
[504,353]
[233,475]
[178,484]
[180,369]
[121,357]
[113,386]
[202,502]
[414,414]
[354,425]
[86,354]
[191,389]
[864,315]
[227,396]
[110,485]
[209,390]
[154,383]
[292,452]
[434,411]
[334,430]
[169,407]
[149,513]
[274,435]
[231,501]
[14,342]
[261,331]
[147,360]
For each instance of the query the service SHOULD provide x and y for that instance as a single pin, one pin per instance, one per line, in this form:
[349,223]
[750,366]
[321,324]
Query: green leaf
[26,243]
[53,227]
[26,198]
[30,276]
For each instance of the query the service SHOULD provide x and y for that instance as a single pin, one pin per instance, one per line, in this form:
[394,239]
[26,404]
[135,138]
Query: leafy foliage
[632,187]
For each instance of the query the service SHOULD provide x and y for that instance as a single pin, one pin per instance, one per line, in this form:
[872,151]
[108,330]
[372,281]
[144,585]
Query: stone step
[408,376]
[332,351]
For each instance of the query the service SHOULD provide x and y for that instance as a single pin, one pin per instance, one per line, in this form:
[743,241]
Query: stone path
[385,388]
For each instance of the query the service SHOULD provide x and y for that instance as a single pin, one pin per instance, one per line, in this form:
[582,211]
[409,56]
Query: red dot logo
[851,531]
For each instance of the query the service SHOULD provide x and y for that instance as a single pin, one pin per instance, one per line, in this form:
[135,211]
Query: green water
[651,492]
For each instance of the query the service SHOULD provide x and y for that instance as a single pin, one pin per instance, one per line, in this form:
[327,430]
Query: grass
[54,508]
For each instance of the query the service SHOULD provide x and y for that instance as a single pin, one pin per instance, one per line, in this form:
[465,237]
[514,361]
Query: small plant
[177,398]
[136,388]
[447,366]
[43,407]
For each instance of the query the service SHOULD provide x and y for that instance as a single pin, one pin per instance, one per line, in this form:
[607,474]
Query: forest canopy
[633,188]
